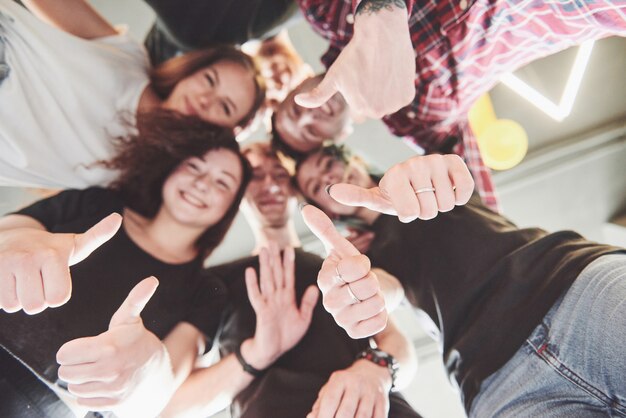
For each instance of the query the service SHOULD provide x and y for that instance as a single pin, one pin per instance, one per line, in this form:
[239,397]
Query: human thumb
[86,243]
[130,310]
[318,95]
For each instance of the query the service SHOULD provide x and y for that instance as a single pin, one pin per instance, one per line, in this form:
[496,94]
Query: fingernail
[327,189]
[301,205]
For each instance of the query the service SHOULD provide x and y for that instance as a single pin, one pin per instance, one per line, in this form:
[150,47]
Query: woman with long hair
[70,82]
[179,188]
[531,323]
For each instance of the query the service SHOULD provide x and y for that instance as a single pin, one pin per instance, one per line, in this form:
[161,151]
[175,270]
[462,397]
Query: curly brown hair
[146,159]
[165,76]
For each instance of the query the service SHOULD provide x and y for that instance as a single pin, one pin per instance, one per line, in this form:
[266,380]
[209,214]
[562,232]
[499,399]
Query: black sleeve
[208,307]
[71,205]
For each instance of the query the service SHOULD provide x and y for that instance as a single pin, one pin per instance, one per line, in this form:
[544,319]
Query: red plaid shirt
[461,50]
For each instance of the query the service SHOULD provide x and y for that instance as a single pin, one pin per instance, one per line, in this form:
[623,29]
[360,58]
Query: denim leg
[574,363]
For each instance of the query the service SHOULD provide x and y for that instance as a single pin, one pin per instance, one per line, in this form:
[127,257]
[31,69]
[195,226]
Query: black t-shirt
[102,281]
[290,386]
[485,283]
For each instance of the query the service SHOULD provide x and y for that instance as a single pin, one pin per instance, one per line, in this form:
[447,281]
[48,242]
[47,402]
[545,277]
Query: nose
[270,184]
[202,182]
[330,177]
[206,98]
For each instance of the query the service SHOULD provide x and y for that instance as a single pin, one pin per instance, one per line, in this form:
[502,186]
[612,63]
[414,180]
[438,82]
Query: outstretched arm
[280,324]
[375,72]
[77,17]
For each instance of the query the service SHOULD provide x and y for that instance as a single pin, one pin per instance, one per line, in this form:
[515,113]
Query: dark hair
[168,74]
[279,144]
[146,159]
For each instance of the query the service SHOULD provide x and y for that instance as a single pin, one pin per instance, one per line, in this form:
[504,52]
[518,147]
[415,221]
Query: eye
[316,189]
[328,164]
[209,79]
[193,166]
[223,185]
[226,108]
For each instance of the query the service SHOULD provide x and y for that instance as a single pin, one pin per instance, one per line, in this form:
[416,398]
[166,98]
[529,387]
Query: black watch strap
[382,359]
[247,367]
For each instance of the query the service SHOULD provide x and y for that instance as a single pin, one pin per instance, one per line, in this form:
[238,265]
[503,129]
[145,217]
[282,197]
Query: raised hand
[34,264]
[420,187]
[362,390]
[351,291]
[375,72]
[125,369]
[280,323]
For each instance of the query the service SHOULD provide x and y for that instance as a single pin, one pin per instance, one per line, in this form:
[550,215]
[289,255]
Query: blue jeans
[574,363]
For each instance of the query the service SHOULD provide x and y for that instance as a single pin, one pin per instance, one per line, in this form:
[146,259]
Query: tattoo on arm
[374,6]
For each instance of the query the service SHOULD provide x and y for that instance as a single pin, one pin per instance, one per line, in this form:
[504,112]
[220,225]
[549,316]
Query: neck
[163,237]
[149,100]
[284,235]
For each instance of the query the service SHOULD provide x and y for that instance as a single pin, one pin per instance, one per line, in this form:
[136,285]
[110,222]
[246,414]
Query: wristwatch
[383,359]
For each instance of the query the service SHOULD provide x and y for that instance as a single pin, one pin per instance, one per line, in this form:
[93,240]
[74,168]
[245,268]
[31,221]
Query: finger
[130,310]
[316,408]
[427,203]
[309,300]
[361,311]
[368,327]
[461,178]
[86,243]
[349,404]
[97,389]
[323,228]
[351,195]
[57,282]
[8,295]
[79,351]
[365,288]
[319,94]
[444,191]
[289,272]
[327,277]
[265,273]
[400,192]
[329,402]
[29,291]
[254,293]
[353,268]
[366,407]
[380,410]
[86,372]
[277,266]
[99,404]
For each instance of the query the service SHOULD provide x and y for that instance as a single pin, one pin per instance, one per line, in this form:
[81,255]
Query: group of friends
[108,309]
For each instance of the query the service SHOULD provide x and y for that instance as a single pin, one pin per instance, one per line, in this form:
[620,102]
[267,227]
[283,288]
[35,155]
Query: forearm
[207,391]
[77,17]
[391,340]
[390,286]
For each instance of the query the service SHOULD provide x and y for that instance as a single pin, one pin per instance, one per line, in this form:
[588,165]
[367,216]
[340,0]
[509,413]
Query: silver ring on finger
[425,190]
[338,275]
[352,295]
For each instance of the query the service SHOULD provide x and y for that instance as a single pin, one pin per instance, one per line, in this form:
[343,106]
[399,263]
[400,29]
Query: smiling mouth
[192,200]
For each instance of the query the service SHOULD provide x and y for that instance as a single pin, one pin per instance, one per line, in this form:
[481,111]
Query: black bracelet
[382,359]
[246,367]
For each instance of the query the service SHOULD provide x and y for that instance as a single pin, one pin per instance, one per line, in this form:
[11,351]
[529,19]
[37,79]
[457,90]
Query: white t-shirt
[63,101]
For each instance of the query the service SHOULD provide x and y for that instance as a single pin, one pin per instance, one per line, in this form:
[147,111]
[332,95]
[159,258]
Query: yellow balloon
[481,114]
[503,144]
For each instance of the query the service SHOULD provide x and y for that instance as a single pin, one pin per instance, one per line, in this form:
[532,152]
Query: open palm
[280,323]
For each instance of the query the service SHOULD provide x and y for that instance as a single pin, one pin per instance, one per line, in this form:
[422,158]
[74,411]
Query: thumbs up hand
[351,291]
[125,369]
[34,264]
